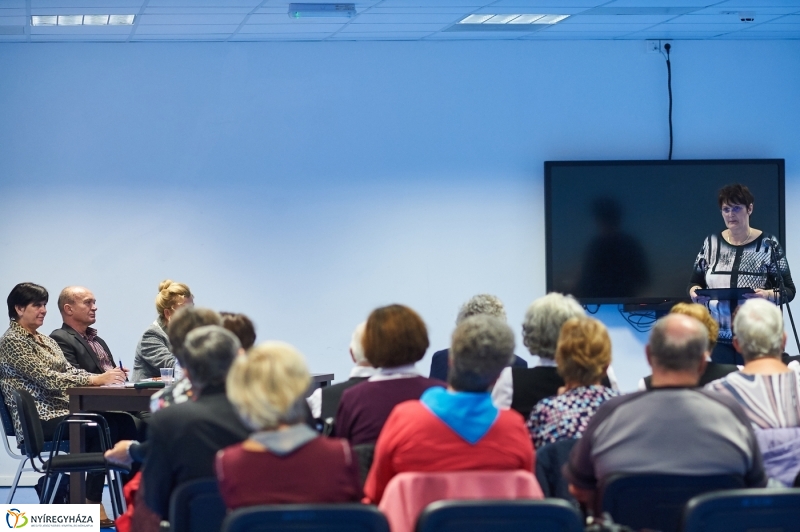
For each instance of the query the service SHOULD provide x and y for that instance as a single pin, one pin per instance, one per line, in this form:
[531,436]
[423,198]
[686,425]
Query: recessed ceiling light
[95,20]
[550,19]
[512,19]
[121,20]
[70,20]
[475,19]
[44,20]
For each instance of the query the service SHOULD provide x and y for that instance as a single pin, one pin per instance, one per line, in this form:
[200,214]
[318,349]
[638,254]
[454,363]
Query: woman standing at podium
[741,256]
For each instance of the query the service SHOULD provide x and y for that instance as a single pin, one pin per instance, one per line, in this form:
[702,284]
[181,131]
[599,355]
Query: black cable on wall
[667,47]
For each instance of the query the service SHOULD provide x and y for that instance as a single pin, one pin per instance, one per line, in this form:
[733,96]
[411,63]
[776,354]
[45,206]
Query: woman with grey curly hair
[520,388]
[481,304]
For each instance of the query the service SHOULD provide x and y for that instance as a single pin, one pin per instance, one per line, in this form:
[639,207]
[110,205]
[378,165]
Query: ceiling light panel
[82,20]
[526,19]
[95,20]
[501,19]
[475,19]
[121,20]
[44,20]
[70,20]
[550,19]
[519,19]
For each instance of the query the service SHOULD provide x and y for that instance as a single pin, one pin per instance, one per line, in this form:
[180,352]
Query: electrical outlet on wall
[655,47]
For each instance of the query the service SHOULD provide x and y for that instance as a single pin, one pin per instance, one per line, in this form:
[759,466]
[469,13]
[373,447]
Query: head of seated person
[241,326]
[394,336]
[482,304]
[677,351]
[208,353]
[482,345]
[185,320]
[171,297]
[543,321]
[701,314]
[583,353]
[759,336]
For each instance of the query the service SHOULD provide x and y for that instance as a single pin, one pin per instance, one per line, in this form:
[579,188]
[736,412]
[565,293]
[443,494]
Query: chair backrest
[549,460]
[552,515]
[30,424]
[307,518]
[776,510]
[407,494]
[197,506]
[365,452]
[657,501]
[5,417]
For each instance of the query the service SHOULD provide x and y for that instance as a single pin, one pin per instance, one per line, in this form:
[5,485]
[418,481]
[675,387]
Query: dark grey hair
[543,322]
[482,346]
[208,352]
[482,304]
[758,327]
[678,343]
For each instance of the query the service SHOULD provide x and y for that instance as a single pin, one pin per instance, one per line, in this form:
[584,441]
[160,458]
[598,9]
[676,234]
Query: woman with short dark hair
[33,362]
[741,256]
[395,338]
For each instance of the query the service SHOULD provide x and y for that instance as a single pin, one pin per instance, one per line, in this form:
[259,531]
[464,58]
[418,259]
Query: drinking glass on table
[166,375]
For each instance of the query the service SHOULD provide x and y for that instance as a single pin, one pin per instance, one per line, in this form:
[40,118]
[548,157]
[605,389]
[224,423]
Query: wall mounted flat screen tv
[629,231]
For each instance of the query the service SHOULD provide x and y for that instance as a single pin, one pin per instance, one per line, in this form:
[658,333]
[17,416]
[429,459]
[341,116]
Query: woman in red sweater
[283,461]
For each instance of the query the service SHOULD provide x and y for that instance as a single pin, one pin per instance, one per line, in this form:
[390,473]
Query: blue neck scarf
[469,414]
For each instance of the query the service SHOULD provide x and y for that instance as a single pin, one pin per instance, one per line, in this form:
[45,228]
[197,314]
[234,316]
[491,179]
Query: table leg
[77,480]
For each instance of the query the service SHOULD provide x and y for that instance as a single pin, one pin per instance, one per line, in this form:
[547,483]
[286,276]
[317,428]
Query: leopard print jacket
[35,363]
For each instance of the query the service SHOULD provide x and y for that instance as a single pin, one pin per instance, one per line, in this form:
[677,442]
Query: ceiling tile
[488,36]
[79,38]
[382,36]
[552,4]
[380,28]
[431,3]
[185,37]
[765,35]
[580,28]
[77,31]
[616,19]
[13,21]
[688,28]
[718,9]
[429,18]
[380,10]
[86,5]
[750,3]
[191,19]
[195,10]
[180,29]
[721,19]
[662,3]
[290,28]
[677,35]
[774,27]
[204,3]
[260,18]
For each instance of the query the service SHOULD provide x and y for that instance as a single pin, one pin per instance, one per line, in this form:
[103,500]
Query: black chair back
[5,417]
[365,452]
[549,460]
[552,515]
[196,506]
[775,510]
[307,518]
[657,501]
[29,422]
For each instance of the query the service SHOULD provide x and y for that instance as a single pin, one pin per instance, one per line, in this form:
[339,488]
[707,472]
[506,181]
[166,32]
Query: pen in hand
[123,369]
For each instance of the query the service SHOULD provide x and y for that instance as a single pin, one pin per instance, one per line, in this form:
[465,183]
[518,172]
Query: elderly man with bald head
[675,428]
[79,342]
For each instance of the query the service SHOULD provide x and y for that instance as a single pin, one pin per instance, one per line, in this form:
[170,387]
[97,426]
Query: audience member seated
[582,357]
[185,320]
[33,362]
[241,326]
[185,437]
[79,342]
[673,429]
[714,370]
[766,388]
[457,429]
[480,304]
[324,402]
[153,351]
[395,338]
[284,461]
[521,388]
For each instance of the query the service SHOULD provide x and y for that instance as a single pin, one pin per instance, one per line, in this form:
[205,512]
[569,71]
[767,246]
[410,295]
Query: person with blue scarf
[458,428]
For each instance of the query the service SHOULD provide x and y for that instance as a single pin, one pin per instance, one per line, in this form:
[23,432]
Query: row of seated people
[436,429]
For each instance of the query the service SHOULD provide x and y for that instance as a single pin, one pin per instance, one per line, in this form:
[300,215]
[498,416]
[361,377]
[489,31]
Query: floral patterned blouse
[565,416]
[35,363]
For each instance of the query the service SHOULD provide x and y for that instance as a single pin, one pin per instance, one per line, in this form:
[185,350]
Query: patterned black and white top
[35,363]
[753,265]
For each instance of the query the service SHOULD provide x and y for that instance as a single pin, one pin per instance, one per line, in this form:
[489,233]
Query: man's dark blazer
[184,439]
[78,351]
[439,364]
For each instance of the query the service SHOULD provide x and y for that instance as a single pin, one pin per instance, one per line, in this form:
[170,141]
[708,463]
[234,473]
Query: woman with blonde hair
[284,461]
[153,351]
[583,354]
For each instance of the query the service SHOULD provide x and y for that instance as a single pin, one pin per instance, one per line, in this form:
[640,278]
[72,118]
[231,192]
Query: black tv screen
[629,231]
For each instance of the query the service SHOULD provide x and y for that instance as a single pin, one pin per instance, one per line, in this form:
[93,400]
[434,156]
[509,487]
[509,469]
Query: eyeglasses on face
[735,209]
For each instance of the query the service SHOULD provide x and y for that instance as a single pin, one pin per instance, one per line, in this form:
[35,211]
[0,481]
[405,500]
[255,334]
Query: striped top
[770,401]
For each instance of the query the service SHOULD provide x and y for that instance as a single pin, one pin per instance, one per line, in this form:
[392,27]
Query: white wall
[306,183]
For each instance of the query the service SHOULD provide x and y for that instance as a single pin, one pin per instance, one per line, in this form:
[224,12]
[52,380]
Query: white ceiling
[267,20]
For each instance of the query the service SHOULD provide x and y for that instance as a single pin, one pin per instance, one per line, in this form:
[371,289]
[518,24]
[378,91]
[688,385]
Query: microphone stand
[781,290]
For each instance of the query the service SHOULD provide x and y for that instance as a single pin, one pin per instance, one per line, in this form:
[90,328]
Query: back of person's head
[481,347]
[241,326]
[185,320]
[584,351]
[267,386]
[700,313]
[208,353]
[394,336]
[482,304]
[23,295]
[170,294]
[678,343]
[758,327]
[543,322]
[357,345]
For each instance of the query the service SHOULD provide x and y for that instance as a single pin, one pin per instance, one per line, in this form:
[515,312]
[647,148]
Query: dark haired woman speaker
[739,257]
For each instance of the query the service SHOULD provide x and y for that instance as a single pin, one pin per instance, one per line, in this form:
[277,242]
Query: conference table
[119,398]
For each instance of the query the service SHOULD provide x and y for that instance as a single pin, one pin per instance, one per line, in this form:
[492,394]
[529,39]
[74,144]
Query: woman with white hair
[284,461]
[521,388]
